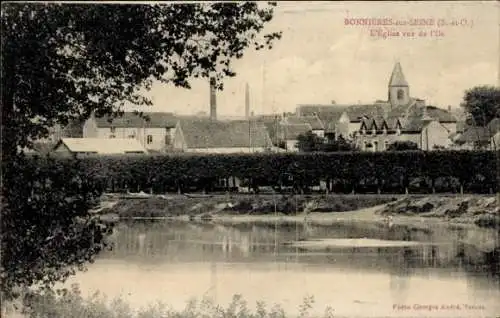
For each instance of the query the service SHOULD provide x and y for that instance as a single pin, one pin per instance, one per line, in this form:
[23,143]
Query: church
[372,127]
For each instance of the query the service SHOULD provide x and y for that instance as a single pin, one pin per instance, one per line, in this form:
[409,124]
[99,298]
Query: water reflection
[191,242]
[178,260]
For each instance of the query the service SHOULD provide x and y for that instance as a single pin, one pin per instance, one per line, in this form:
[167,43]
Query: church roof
[357,112]
[397,77]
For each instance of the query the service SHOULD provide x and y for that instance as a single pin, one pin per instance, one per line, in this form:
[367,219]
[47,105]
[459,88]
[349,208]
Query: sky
[320,59]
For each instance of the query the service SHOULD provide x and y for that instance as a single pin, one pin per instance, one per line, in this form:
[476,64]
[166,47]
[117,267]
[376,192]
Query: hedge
[470,171]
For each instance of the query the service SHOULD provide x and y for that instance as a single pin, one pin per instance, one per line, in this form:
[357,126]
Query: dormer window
[398,131]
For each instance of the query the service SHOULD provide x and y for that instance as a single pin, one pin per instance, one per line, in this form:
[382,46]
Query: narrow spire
[397,76]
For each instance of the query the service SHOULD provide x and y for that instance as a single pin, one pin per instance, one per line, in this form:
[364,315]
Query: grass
[70,303]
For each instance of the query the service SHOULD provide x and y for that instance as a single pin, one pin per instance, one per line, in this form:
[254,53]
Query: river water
[174,262]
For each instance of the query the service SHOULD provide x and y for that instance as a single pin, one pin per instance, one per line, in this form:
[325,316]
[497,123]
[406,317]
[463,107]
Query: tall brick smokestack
[213,100]
[247,101]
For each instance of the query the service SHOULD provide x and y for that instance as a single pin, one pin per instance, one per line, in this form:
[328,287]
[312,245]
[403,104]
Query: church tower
[399,91]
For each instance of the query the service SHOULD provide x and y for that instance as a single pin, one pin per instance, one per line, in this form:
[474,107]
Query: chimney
[247,102]
[213,100]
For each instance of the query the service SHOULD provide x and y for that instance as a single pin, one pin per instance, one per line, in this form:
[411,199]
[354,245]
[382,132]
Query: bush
[72,304]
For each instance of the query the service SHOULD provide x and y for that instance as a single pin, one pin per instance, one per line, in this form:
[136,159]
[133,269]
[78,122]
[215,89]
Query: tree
[309,142]
[482,103]
[339,144]
[402,145]
[62,62]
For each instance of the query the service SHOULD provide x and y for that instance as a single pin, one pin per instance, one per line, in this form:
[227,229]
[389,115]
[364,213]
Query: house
[289,134]
[211,136]
[328,114]
[399,118]
[153,130]
[478,137]
[473,137]
[83,147]
[317,126]
[418,126]
[494,132]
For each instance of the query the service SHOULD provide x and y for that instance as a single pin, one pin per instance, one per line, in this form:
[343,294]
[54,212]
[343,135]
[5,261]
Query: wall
[451,127]
[434,134]
[384,140]
[495,142]
[90,128]
[319,133]
[227,150]
[291,145]
[158,135]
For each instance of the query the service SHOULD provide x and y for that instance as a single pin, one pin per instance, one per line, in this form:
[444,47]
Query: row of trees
[474,171]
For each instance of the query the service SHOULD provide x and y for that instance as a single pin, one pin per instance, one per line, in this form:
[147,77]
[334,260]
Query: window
[112,136]
[375,146]
[131,136]
[112,129]
[149,139]
[401,94]
[386,145]
[167,140]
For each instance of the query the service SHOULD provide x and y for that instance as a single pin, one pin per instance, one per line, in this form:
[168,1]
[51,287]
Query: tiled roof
[474,134]
[102,145]
[397,76]
[130,119]
[312,120]
[357,112]
[439,114]
[74,129]
[292,132]
[204,133]
[326,113]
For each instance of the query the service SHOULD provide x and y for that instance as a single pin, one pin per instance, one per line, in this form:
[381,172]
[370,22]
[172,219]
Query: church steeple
[399,90]
[397,76]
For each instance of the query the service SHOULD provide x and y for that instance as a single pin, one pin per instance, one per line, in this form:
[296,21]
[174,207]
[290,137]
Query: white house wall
[434,134]
[451,127]
[227,150]
[90,130]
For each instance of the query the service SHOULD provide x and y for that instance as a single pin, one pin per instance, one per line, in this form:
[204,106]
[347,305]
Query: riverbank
[473,210]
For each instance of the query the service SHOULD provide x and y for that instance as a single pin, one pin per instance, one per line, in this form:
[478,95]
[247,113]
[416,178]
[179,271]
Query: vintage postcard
[251,159]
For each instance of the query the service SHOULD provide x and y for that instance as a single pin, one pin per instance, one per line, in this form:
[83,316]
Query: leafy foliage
[402,145]
[62,62]
[310,142]
[482,103]
[475,170]
[48,231]
[69,303]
